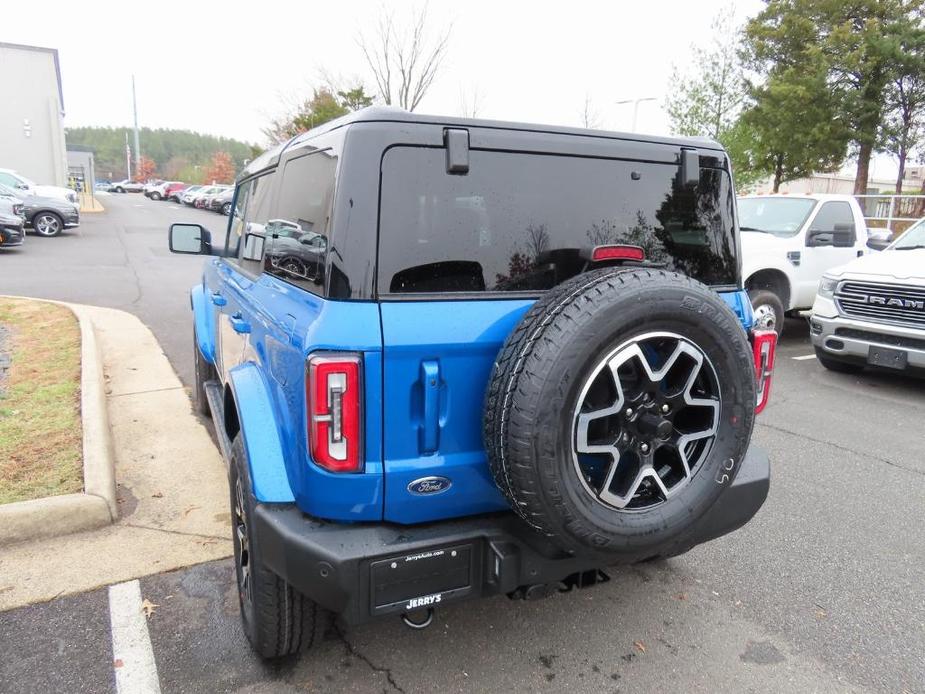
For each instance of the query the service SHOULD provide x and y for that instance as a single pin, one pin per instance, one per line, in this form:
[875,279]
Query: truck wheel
[768,310]
[155,195]
[834,364]
[278,621]
[619,409]
[204,371]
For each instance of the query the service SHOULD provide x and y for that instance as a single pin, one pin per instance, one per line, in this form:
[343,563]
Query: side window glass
[297,235]
[256,220]
[236,226]
[834,216]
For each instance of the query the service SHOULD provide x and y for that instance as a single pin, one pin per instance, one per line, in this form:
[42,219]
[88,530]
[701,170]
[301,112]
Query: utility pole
[128,158]
[137,146]
[636,103]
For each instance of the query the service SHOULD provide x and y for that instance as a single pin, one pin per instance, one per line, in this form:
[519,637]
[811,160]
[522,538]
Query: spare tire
[619,409]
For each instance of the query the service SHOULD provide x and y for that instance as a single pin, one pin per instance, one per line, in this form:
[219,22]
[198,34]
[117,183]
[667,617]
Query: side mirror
[817,237]
[190,239]
[877,244]
[843,236]
[22,186]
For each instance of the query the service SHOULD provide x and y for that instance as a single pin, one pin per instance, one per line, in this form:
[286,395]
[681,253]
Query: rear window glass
[517,222]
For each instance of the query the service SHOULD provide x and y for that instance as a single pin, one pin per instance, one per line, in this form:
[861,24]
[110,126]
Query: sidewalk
[171,484]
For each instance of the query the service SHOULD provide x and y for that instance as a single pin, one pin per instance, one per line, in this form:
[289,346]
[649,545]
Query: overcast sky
[225,68]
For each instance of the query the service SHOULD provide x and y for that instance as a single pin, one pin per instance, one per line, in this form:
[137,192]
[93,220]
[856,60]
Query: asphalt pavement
[823,591]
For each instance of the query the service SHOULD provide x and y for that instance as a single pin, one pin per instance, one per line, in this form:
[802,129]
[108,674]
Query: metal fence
[896,213]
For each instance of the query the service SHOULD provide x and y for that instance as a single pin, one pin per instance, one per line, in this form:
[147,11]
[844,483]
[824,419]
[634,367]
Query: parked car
[491,391]
[47,216]
[18,182]
[173,190]
[188,191]
[103,186]
[191,194]
[151,185]
[196,198]
[295,253]
[159,190]
[221,202]
[788,242]
[871,312]
[12,196]
[12,224]
[127,186]
[207,201]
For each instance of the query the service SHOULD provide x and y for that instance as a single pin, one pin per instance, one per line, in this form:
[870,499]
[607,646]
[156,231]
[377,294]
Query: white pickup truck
[788,243]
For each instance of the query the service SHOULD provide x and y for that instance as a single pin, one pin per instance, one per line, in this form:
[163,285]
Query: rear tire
[619,410]
[277,620]
[768,310]
[835,364]
[155,196]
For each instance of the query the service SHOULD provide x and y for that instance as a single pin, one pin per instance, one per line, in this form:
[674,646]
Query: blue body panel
[426,366]
[204,322]
[261,435]
[455,344]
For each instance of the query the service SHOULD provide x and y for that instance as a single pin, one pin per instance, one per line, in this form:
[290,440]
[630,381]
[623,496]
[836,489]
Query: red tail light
[334,414]
[764,343]
[617,253]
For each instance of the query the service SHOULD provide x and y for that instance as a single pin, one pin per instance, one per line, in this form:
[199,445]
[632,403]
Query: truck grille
[885,303]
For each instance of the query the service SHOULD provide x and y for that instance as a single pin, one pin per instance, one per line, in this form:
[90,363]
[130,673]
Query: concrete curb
[96,506]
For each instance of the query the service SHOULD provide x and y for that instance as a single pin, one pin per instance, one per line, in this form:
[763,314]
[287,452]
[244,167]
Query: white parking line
[804,357]
[132,655]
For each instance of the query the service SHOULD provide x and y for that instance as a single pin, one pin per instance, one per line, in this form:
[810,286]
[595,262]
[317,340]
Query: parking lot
[822,591]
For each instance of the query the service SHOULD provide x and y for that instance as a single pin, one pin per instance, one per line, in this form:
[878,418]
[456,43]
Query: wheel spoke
[644,418]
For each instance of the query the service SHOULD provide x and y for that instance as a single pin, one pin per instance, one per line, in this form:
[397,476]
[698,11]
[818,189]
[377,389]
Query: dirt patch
[40,430]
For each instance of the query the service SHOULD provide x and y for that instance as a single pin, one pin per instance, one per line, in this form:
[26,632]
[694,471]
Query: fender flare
[261,435]
[203,321]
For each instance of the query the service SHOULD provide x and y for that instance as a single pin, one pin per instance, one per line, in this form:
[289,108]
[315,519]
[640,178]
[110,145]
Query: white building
[843,183]
[32,114]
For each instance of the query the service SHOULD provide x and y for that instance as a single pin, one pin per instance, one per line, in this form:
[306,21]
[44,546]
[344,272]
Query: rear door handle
[239,325]
[430,423]
[218,299]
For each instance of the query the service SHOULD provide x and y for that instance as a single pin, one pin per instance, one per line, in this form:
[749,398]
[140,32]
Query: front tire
[277,620]
[226,209]
[155,196]
[768,310]
[47,224]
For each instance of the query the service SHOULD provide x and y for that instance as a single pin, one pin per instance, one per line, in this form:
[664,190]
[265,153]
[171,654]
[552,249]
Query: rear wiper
[909,248]
[763,231]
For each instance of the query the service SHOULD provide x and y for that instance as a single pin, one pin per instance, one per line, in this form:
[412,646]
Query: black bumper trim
[331,563]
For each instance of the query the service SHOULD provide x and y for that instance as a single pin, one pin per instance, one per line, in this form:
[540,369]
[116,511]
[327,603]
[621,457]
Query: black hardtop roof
[389,114]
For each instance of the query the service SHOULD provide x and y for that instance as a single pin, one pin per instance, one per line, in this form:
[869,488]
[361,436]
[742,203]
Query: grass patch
[41,441]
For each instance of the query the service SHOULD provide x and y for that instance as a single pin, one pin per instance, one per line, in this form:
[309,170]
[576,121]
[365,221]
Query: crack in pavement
[352,650]
[173,532]
[840,447]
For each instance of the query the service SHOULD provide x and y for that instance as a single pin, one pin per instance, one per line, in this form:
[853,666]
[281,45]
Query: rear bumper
[362,571]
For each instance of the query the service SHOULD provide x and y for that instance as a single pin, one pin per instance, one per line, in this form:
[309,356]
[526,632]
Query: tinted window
[249,221]
[832,214]
[517,222]
[297,236]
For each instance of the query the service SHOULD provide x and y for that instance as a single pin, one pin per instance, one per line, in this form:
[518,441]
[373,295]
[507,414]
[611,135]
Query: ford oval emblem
[429,485]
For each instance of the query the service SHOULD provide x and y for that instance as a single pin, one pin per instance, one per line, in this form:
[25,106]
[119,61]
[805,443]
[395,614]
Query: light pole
[636,103]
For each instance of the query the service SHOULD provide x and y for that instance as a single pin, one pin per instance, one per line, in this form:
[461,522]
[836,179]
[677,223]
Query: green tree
[323,106]
[904,129]
[706,99]
[858,43]
[793,127]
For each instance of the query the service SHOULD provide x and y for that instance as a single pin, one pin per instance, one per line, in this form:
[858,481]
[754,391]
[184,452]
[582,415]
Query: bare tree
[404,59]
[470,102]
[589,116]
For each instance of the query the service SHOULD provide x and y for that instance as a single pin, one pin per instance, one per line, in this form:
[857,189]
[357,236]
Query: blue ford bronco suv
[449,359]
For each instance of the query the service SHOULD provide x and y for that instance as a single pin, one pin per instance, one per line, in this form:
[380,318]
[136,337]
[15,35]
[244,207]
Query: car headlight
[827,286]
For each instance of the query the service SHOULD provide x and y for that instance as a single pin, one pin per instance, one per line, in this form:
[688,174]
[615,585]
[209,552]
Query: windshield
[779,216]
[913,238]
[7,192]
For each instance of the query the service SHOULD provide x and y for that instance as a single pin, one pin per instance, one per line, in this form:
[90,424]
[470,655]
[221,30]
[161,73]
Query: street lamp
[636,103]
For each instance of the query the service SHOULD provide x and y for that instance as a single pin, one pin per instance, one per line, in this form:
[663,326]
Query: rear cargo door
[466,244]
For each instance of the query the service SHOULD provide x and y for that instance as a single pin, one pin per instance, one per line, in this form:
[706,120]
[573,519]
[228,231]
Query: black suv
[454,358]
